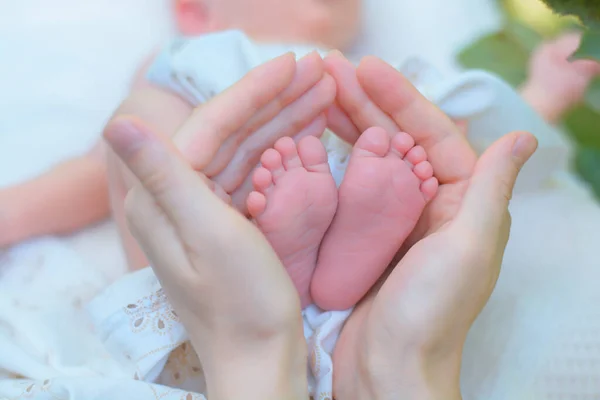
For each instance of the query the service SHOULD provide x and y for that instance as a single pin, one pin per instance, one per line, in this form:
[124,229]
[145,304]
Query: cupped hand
[225,137]
[220,274]
[405,339]
[375,94]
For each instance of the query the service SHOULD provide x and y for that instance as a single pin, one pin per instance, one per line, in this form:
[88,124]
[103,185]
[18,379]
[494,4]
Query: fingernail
[335,53]
[524,147]
[311,54]
[125,137]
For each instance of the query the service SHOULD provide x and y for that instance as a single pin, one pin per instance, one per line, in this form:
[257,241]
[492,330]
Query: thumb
[485,204]
[171,182]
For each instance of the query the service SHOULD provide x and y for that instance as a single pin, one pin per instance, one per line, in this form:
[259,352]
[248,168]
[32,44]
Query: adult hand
[274,100]
[247,331]
[376,94]
[225,137]
[279,98]
[405,339]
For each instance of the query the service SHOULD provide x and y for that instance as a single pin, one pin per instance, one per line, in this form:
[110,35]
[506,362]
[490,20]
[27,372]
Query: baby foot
[386,187]
[294,201]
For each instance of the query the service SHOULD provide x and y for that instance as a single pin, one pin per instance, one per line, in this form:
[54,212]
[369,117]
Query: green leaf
[592,96]
[590,46]
[587,10]
[499,53]
[523,35]
[505,53]
[583,125]
[587,164]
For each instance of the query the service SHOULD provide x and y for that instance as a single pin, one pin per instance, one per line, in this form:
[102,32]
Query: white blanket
[64,67]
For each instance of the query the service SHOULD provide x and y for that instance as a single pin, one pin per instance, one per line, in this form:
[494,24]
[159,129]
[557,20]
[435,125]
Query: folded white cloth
[142,332]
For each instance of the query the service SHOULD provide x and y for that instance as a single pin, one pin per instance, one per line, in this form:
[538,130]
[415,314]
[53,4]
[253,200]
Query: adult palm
[405,339]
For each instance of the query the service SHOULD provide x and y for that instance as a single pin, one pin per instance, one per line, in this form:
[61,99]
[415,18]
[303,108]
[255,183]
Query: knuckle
[505,185]
[130,204]
[296,125]
[250,156]
[132,209]
[506,192]
[158,181]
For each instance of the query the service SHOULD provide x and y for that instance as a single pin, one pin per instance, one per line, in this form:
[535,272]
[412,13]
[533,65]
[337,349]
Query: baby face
[331,23]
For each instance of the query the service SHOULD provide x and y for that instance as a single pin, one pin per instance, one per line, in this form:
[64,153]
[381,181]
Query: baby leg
[386,187]
[293,205]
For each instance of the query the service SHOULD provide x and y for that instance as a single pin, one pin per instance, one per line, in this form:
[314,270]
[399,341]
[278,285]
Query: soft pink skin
[331,23]
[557,84]
[386,187]
[293,205]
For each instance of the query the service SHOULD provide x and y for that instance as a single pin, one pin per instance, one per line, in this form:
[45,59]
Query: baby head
[330,23]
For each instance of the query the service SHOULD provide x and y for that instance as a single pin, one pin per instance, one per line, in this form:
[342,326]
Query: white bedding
[64,68]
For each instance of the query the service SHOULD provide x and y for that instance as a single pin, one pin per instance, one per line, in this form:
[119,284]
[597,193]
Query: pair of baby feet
[335,244]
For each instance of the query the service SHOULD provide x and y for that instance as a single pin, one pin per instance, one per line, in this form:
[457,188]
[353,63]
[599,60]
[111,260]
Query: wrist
[417,376]
[258,369]
[441,376]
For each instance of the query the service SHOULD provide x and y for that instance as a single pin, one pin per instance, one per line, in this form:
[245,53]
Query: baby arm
[555,84]
[68,197]
[75,193]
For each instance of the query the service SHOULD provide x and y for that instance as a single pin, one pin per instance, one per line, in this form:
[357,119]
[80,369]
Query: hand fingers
[340,124]
[351,97]
[565,45]
[240,195]
[588,68]
[309,71]
[216,188]
[289,122]
[169,180]
[211,124]
[152,229]
[447,148]
[316,128]
[149,222]
[485,206]
[203,278]
[463,126]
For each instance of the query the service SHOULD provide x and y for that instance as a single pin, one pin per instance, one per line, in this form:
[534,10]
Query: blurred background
[525,24]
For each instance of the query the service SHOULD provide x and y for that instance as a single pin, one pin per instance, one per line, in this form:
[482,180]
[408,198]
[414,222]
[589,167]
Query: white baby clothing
[204,66]
[140,329]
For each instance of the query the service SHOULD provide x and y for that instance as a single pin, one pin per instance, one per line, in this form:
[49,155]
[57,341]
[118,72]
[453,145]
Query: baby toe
[289,153]
[416,155]
[402,142]
[256,203]
[423,170]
